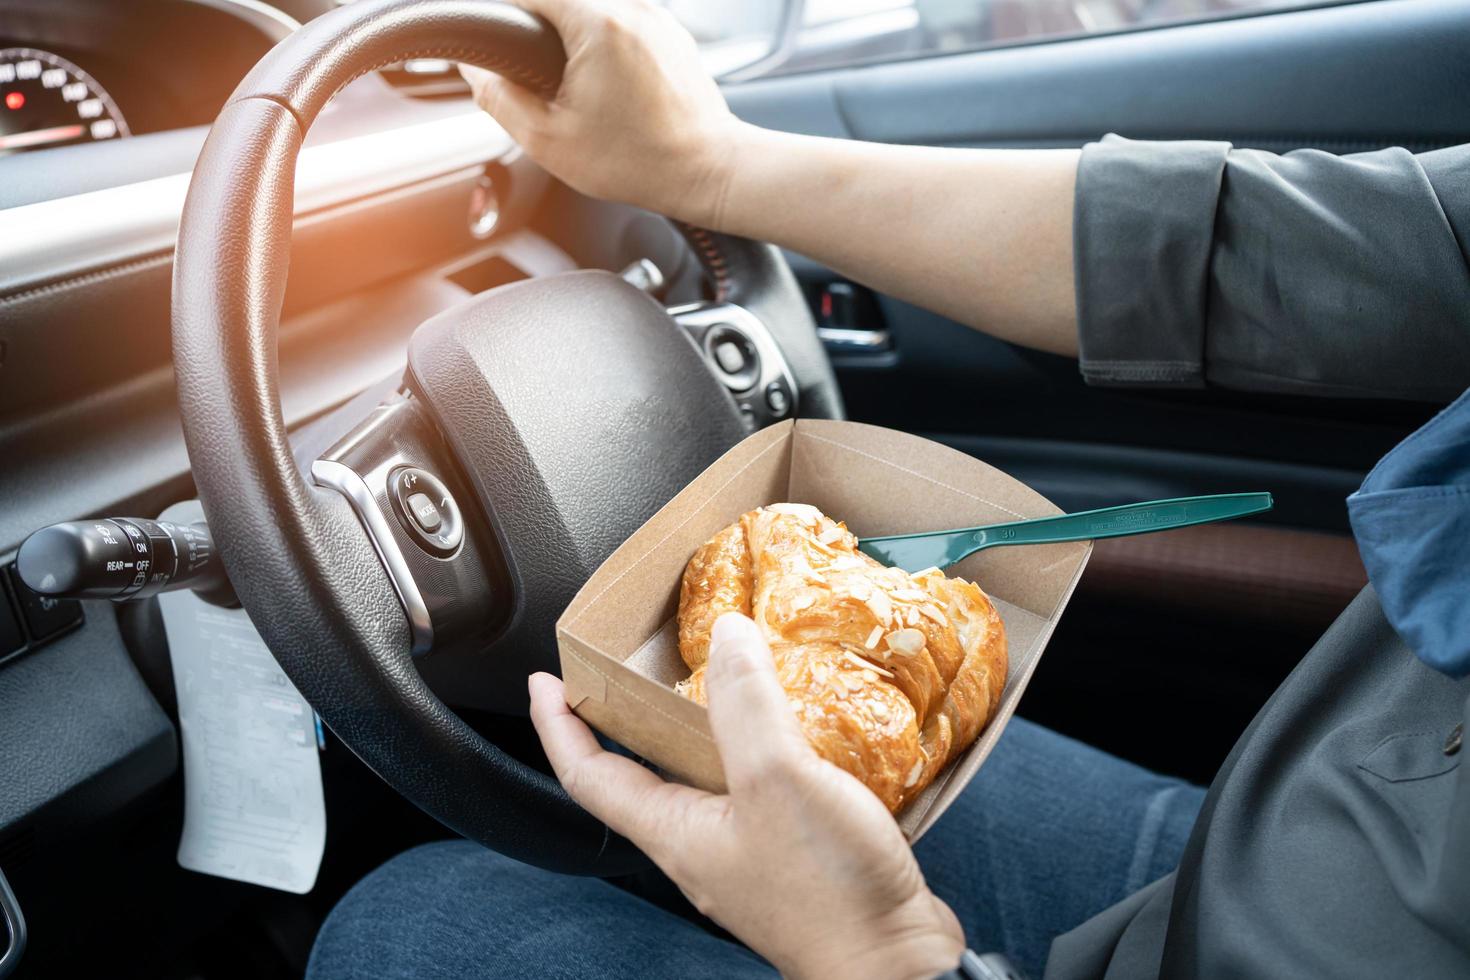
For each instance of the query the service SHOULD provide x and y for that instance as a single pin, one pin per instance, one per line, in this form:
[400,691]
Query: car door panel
[1349,77]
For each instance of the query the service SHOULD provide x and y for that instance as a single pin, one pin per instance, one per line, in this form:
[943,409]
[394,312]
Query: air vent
[426,78]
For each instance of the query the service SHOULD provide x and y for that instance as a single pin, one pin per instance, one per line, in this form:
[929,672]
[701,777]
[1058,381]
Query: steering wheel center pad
[577,407]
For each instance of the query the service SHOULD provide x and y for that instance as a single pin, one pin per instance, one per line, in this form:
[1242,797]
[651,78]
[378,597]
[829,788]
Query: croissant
[890,675]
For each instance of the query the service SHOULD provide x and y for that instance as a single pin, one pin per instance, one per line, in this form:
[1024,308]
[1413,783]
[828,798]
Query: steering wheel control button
[729,357]
[427,510]
[45,615]
[777,400]
[734,356]
[424,513]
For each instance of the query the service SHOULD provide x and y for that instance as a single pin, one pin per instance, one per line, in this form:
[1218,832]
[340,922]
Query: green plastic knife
[929,549]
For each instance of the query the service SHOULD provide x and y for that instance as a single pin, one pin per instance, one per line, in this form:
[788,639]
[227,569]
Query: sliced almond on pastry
[857,661]
[934,613]
[881,606]
[907,641]
[802,512]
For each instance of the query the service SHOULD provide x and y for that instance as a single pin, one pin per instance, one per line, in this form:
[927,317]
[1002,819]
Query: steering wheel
[538,425]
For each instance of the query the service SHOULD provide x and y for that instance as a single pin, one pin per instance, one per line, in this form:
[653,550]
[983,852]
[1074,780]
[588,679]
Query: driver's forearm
[981,236]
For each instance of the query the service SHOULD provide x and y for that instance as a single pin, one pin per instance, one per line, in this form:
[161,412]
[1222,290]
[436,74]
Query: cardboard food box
[618,642]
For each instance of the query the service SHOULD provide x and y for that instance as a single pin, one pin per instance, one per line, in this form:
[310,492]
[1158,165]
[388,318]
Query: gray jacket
[1335,841]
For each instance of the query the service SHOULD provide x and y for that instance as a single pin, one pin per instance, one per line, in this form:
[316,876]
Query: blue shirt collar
[1411,518]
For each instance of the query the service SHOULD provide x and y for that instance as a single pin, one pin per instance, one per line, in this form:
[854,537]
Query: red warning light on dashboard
[14,100]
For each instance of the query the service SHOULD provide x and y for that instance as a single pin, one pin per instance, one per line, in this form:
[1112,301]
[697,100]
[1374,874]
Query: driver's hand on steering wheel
[637,119]
[799,859]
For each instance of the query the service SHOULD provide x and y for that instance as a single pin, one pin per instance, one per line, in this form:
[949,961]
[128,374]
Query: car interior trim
[847,339]
[350,483]
[90,278]
[54,239]
[1282,577]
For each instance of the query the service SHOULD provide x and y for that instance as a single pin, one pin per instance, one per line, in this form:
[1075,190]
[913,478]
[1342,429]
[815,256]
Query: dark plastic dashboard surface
[83,735]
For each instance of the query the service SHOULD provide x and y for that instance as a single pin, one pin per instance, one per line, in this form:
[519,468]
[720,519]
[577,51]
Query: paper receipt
[253,807]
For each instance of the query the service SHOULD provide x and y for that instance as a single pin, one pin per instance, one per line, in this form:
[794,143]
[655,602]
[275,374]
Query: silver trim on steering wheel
[349,483]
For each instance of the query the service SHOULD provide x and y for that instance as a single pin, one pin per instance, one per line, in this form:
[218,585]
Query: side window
[760,37]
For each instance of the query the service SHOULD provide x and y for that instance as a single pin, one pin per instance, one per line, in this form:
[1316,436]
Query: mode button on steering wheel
[426,509]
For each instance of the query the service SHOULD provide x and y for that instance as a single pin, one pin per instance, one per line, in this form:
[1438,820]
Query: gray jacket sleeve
[1306,273]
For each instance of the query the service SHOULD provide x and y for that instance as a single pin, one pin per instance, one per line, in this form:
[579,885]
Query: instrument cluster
[46,100]
[81,71]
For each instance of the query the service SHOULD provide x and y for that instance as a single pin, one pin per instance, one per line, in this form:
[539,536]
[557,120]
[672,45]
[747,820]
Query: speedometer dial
[46,101]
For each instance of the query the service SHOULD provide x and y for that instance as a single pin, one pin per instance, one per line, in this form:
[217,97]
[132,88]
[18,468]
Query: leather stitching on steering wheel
[714,259]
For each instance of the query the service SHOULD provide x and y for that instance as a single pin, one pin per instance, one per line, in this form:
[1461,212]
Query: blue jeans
[1049,833]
